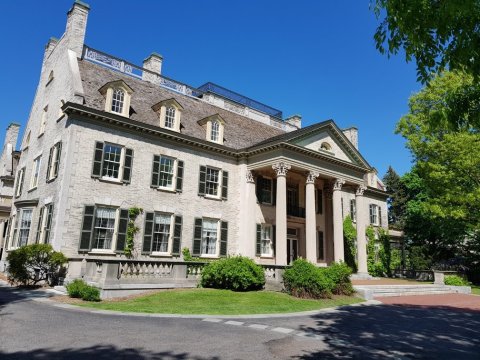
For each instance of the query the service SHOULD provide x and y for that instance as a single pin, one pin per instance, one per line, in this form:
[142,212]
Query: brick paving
[456,301]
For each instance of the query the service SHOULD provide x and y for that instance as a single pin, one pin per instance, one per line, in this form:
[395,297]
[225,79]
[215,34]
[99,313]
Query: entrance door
[292,250]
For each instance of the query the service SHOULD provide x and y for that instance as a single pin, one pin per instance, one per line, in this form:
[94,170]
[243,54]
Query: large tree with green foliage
[439,34]
[397,199]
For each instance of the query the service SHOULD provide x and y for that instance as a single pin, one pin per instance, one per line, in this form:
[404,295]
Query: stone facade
[288,188]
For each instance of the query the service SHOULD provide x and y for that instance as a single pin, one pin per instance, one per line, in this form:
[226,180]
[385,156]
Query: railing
[145,269]
[297,211]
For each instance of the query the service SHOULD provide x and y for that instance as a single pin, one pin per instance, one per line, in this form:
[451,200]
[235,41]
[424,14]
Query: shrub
[31,264]
[349,238]
[80,289]
[305,280]
[339,274]
[455,280]
[236,273]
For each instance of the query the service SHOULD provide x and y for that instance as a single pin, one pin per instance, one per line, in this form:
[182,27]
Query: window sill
[60,118]
[212,197]
[40,135]
[172,190]
[32,189]
[267,257]
[160,254]
[110,180]
[206,256]
[101,252]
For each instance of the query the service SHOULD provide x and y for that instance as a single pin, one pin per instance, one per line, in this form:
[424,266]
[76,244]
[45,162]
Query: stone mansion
[214,171]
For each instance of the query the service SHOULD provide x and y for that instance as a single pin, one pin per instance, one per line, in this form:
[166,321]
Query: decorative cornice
[25,203]
[337,184]
[360,190]
[312,176]
[281,168]
[249,177]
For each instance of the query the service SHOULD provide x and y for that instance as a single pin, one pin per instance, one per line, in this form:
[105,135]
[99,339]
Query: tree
[438,34]
[397,199]
[349,239]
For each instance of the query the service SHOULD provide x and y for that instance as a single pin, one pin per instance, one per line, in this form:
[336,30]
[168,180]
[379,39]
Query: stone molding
[337,185]
[249,177]
[360,190]
[311,177]
[281,168]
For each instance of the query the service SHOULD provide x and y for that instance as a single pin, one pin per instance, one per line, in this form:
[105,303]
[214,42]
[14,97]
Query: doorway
[292,245]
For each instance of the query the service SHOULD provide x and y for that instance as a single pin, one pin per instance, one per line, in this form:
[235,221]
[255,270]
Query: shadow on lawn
[98,352]
[398,331]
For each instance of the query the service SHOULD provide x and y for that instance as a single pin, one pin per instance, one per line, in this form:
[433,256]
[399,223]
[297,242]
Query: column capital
[249,177]
[337,184]
[281,168]
[360,190]
[312,176]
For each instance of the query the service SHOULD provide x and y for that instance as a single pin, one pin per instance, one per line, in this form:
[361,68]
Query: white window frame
[43,121]
[114,234]
[54,163]
[174,174]
[217,240]
[121,162]
[37,162]
[170,117]
[18,227]
[19,183]
[117,104]
[127,94]
[375,219]
[215,131]
[170,235]
[219,182]
[219,138]
[266,241]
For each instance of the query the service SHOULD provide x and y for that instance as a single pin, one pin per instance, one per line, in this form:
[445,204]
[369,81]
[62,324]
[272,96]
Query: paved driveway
[446,301]
[37,330]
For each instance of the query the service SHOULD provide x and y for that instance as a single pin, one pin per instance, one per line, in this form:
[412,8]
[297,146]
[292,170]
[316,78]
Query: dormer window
[117,97]
[169,112]
[214,128]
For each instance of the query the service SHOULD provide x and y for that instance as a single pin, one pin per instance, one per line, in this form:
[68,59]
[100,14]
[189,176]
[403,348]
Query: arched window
[215,132]
[118,98]
[170,117]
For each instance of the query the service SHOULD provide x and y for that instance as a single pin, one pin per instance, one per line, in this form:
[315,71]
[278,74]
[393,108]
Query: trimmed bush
[236,273]
[31,264]
[305,280]
[339,273]
[455,280]
[80,289]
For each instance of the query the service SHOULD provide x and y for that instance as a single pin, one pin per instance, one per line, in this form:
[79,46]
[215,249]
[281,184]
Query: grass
[476,289]
[219,302]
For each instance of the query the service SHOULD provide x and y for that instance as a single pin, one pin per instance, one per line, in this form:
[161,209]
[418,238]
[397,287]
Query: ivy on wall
[132,229]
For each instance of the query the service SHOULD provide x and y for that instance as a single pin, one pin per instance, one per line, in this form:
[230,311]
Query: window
[112,162]
[22,227]
[211,180]
[170,117]
[266,240]
[43,121]
[54,161]
[44,224]
[117,97]
[164,176]
[161,233]
[19,183]
[104,228]
[353,210]
[214,128]
[210,237]
[320,246]
[167,166]
[35,172]
[215,131]
[264,190]
[374,214]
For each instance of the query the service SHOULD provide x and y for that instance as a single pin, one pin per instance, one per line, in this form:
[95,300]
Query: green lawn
[219,302]
[476,289]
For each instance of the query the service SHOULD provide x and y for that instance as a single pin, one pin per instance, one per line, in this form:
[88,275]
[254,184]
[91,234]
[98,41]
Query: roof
[240,131]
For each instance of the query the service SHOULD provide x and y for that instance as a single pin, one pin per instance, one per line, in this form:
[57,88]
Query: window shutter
[87,228]
[148,233]
[224,185]
[21,177]
[97,160]
[122,230]
[48,223]
[202,180]
[274,239]
[127,166]
[177,236]
[155,171]
[371,213]
[319,201]
[258,189]
[224,238]
[57,160]
[39,226]
[49,166]
[258,251]
[7,234]
[379,215]
[179,176]
[197,237]
[274,195]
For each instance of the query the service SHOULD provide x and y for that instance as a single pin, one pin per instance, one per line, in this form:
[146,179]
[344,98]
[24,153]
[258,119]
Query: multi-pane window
[35,172]
[353,210]
[266,246]
[167,166]
[25,220]
[266,191]
[44,224]
[118,99]
[170,117]
[212,181]
[111,161]
[373,214]
[161,232]
[209,237]
[215,132]
[19,183]
[54,161]
[104,228]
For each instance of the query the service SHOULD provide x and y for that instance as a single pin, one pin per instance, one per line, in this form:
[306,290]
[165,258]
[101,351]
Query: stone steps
[370,292]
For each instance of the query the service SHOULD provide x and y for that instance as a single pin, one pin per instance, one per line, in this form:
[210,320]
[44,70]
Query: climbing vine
[132,229]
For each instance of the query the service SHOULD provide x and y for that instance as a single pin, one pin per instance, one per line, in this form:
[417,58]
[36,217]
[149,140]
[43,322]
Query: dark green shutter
[370,207]
[48,223]
[274,239]
[155,171]
[179,176]
[87,228]
[122,230]
[202,180]
[127,166]
[224,185]
[177,236]
[57,160]
[258,251]
[223,238]
[39,225]
[197,237]
[148,233]
[258,188]
[274,195]
[49,163]
[97,160]
[379,216]
[319,201]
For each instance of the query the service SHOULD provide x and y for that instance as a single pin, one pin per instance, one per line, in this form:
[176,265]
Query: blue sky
[314,58]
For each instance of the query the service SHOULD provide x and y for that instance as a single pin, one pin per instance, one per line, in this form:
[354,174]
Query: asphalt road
[35,329]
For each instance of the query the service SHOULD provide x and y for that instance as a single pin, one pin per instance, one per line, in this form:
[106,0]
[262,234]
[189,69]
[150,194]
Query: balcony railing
[297,211]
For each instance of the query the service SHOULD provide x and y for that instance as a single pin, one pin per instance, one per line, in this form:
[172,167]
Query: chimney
[9,146]
[153,63]
[295,120]
[352,134]
[77,26]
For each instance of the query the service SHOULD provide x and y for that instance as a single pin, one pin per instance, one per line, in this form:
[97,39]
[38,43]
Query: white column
[251,223]
[310,218]
[361,237]
[338,251]
[281,213]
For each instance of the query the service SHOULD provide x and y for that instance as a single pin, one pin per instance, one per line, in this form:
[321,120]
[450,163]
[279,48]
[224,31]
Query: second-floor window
[112,162]
[264,190]
[19,182]
[35,172]
[167,173]
[54,161]
[213,183]
[375,214]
